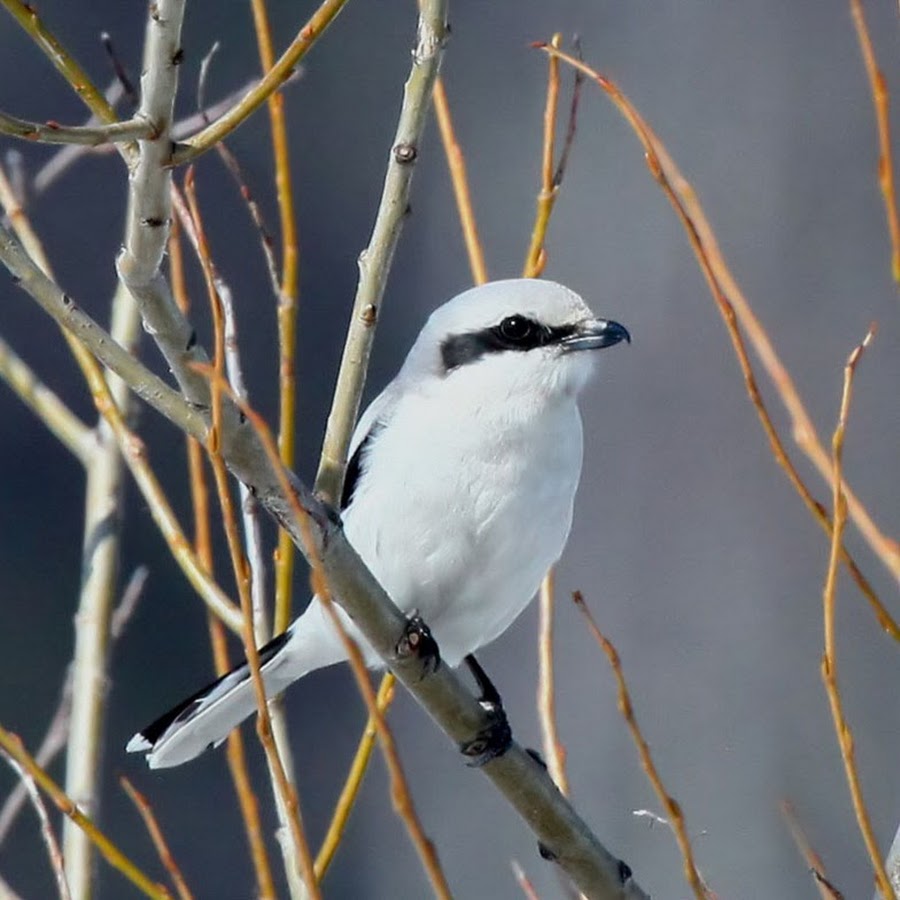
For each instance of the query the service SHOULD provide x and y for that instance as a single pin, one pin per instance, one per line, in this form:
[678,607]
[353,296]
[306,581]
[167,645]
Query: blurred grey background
[693,551]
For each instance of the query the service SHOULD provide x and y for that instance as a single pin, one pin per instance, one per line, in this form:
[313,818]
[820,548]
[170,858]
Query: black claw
[490,742]
[536,757]
[489,695]
[494,740]
[624,871]
[546,852]
[417,641]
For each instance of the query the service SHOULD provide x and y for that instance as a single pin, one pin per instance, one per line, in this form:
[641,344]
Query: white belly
[468,539]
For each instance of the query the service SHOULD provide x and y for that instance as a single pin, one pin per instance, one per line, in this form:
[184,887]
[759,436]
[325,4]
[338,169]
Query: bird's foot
[495,739]
[418,641]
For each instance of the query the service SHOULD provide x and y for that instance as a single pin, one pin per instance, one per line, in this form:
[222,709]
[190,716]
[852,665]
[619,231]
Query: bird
[458,494]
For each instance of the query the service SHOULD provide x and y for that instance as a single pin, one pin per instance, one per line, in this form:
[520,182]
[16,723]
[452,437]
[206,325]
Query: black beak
[595,334]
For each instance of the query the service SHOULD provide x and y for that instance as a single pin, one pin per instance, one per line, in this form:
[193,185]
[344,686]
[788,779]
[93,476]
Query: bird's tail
[205,719]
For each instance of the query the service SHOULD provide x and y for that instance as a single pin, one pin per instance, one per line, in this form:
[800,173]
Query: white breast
[471,513]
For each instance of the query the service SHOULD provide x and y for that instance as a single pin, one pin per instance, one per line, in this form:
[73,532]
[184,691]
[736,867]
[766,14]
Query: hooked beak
[595,334]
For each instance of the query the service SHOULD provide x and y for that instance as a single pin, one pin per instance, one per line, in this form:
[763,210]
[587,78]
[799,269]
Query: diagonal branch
[524,783]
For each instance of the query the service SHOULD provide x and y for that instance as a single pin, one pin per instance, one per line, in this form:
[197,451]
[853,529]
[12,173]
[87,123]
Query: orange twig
[287,308]
[881,101]
[552,171]
[456,163]
[671,806]
[235,751]
[54,853]
[827,891]
[829,659]
[535,259]
[400,792]
[156,835]
[350,791]
[401,797]
[733,306]
[107,849]
[218,387]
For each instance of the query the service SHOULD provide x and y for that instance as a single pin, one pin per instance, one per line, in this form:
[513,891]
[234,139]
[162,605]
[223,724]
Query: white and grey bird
[458,495]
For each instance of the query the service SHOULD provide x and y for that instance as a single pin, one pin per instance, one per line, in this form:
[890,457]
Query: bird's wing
[371,422]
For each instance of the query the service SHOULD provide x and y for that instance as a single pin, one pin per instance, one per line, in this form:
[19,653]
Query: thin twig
[107,849]
[671,806]
[400,794]
[255,557]
[86,135]
[271,82]
[54,740]
[123,80]
[235,752]
[829,658]
[50,842]
[287,294]
[552,173]
[66,65]
[60,421]
[881,101]
[733,306]
[456,163]
[353,782]
[60,161]
[157,837]
[535,258]
[127,605]
[375,260]
[284,790]
[554,751]
[826,889]
[57,733]
[523,882]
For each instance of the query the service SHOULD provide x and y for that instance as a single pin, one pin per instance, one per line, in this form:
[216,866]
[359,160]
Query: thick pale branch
[375,260]
[141,381]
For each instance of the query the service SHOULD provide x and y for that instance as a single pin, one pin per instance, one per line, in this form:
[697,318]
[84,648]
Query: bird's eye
[517,329]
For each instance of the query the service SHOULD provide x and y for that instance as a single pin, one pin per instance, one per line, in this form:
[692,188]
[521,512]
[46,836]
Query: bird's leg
[494,740]
[417,641]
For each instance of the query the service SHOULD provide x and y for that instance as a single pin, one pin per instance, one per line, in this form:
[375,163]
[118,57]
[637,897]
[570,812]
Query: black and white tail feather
[459,494]
[175,737]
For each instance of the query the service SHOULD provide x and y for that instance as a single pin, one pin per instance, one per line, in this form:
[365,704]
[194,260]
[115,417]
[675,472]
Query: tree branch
[375,260]
[91,136]
[274,78]
[524,783]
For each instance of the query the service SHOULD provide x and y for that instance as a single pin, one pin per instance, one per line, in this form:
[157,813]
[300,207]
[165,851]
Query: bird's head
[517,336]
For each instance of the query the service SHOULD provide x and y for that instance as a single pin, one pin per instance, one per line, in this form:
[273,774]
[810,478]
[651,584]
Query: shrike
[458,494]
